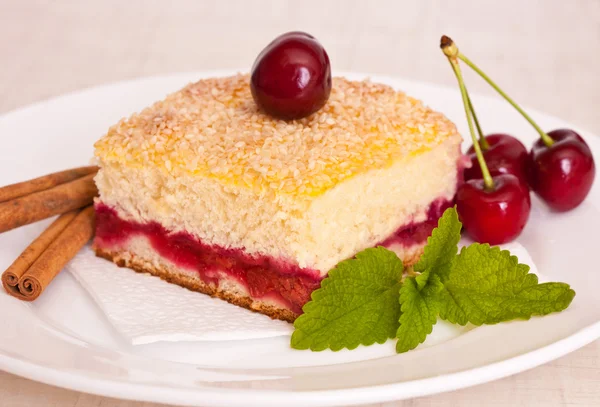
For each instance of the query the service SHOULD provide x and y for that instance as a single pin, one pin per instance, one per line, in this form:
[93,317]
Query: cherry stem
[487,178]
[545,137]
[482,141]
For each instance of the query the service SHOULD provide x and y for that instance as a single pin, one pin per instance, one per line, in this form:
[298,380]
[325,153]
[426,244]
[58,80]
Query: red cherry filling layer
[263,276]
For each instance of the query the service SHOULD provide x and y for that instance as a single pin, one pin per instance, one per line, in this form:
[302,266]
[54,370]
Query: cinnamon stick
[44,204]
[58,253]
[10,278]
[46,182]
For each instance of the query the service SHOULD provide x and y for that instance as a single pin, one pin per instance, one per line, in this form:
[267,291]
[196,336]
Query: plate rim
[356,396]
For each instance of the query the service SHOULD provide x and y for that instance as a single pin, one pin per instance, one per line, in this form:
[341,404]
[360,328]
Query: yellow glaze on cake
[212,128]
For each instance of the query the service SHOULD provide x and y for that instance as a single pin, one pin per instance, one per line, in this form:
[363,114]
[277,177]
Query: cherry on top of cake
[213,128]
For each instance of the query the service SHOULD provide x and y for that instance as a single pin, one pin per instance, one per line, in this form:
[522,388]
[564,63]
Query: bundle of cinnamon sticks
[69,194]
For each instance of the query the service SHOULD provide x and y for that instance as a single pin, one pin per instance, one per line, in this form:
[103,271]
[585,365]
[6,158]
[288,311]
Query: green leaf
[420,296]
[357,304]
[441,248]
[487,286]
[420,307]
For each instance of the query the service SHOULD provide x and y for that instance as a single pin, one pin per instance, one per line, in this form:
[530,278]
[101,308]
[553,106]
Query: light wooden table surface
[545,53]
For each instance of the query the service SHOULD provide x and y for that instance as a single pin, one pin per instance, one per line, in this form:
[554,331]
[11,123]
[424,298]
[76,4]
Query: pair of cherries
[494,202]
[560,174]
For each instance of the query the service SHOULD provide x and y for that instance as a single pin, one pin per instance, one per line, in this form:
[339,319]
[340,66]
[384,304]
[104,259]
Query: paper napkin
[146,309]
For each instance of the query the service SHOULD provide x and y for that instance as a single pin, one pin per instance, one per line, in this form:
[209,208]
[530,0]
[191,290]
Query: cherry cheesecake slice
[204,190]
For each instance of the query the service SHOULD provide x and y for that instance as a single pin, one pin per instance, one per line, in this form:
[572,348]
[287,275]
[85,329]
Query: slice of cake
[205,191]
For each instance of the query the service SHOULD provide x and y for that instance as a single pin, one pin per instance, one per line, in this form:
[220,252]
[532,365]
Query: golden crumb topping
[213,128]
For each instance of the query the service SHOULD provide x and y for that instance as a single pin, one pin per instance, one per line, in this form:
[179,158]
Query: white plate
[64,340]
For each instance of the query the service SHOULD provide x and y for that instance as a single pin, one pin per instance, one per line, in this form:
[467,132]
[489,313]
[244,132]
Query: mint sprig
[363,301]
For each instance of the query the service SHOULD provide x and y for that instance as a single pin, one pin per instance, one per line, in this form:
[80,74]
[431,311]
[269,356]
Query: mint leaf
[420,296]
[357,304]
[420,307]
[487,286]
[441,248]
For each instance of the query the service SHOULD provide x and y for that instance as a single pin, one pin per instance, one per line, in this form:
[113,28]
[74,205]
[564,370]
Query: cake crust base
[130,260]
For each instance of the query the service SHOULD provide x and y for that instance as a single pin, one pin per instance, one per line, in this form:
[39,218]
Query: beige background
[546,54]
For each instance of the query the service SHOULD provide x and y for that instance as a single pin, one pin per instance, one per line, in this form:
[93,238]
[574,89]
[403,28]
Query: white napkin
[145,309]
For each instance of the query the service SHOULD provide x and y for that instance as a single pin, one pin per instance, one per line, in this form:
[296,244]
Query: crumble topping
[213,128]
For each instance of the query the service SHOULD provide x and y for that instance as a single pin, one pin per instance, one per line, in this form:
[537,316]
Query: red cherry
[562,174]
[291,77]
[505,155]
[493,216]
